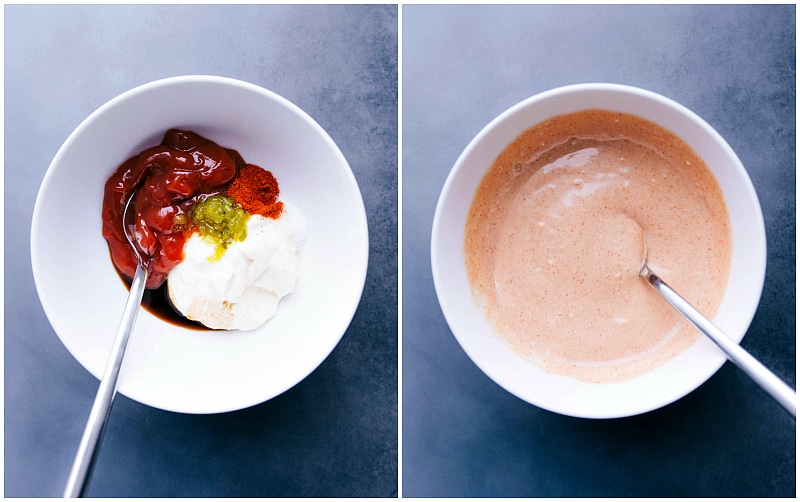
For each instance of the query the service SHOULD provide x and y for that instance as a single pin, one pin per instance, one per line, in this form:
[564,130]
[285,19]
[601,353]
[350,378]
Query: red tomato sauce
[168,180]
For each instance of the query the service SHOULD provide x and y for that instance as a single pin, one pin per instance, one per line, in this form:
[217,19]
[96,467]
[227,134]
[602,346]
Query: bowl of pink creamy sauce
[538,237]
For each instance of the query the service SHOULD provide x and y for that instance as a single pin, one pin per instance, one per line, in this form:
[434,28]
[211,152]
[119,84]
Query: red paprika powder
[256,190]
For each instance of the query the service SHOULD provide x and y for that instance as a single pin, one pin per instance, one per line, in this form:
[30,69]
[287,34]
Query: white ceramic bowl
[171,367]
[562,394]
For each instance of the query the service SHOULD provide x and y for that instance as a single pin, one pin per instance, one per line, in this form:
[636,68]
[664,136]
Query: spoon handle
[98,418]
[782,393]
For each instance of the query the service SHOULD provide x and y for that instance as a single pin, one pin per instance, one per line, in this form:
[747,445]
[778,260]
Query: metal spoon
[768,381]
[89,446]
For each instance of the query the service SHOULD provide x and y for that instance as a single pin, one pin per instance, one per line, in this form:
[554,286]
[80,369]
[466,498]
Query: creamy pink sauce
[554,241]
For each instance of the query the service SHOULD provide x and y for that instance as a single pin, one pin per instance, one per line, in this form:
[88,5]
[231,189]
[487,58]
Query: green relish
[221,221]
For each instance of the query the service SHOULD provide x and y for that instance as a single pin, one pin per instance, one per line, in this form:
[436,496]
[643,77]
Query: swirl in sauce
[554,242]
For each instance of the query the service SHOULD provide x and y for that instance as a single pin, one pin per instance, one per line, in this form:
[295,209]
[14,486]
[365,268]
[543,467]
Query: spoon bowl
[129,227]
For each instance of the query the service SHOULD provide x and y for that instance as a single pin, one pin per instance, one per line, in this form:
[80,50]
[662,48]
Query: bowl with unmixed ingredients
[177,366]
[539,232]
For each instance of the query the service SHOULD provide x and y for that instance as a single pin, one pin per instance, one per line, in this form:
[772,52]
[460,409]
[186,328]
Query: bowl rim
[362,251]
[456,173]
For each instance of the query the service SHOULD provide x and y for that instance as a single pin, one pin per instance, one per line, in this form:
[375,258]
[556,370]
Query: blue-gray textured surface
[335,433]
[462,66]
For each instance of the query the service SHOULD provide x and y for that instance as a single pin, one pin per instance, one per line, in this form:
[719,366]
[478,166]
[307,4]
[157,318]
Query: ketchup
[170,178]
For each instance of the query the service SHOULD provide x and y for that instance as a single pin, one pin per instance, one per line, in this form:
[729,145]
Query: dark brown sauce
[157,302]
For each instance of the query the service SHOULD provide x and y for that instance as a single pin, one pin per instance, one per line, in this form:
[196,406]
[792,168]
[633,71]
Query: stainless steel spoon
[768,381]
[98,417]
